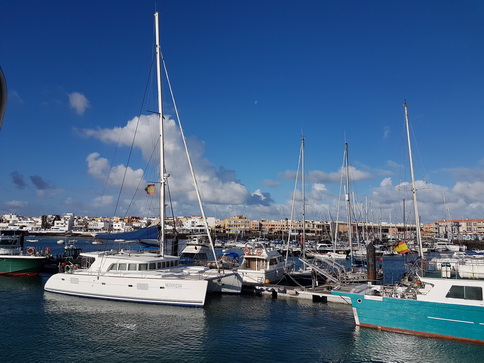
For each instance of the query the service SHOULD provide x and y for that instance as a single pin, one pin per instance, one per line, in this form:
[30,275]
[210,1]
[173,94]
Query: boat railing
[321,270]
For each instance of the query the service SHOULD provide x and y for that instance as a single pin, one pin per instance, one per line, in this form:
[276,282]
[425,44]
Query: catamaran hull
[228,283]
[440,320]
[134,289]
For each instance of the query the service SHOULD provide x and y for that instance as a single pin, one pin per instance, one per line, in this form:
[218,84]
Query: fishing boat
[434,307]
[140,275]
[14,261]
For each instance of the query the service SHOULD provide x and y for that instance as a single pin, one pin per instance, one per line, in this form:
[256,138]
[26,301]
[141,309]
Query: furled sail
[139,234]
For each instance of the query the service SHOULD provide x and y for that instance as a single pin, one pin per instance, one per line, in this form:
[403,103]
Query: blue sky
[250,78]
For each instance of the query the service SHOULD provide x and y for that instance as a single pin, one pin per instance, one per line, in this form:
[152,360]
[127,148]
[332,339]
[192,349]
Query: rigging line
[414,139]
[141,179]
[134,137]
[339,199]
[195,183]
[171,207]
[109,173]
[294,200]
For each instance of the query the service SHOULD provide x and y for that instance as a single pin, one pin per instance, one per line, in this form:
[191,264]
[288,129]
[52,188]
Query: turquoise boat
[432,307]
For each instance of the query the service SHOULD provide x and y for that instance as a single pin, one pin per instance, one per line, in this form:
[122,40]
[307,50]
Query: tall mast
[162,140]
[303,247]
[348,203]
[414,189]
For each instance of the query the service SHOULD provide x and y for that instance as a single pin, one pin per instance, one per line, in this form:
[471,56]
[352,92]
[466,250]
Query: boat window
[132,267]
[465,292]
[86,262]
[143,266]
[159,265]
[122,266]
[273,261]
[152,265]
[114,266]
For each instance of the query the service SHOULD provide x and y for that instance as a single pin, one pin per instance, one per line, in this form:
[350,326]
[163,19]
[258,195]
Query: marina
[277,328]
[130,268]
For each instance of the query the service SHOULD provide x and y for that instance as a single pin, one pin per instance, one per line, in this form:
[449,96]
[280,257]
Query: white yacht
[197,251]
[261,264]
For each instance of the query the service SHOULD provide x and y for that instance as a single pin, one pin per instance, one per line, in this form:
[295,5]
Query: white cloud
[99,168]
[78,102]
[216,187]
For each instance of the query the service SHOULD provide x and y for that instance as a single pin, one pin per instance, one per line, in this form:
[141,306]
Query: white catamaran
[146,277]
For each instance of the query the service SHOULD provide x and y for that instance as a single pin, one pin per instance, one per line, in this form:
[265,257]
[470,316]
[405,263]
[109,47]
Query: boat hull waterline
[438,320]
[134,289]
[16,265]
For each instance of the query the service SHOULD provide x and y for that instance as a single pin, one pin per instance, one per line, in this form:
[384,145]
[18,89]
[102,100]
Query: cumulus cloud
[260,198]
[99,168]
[469,191]
[78,102]
[217,186]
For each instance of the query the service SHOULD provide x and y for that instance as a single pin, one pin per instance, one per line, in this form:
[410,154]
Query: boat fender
[30,250]
[258,251]
[67,269]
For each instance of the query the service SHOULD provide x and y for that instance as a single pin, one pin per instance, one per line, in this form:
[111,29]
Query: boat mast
[303,247]
[348,203]
[163,176]
[414,189]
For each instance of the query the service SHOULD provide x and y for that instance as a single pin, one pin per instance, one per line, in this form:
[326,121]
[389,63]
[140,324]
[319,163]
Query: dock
[319,294]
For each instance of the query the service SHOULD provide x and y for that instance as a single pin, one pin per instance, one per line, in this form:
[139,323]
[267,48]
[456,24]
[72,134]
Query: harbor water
[37,326]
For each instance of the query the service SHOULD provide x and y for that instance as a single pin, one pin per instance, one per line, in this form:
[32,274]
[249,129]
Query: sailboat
[319,268]
[138,276]
[418,305]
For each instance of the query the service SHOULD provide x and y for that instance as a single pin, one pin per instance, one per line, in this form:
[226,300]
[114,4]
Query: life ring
[30,250]
[246,250]
[258,251]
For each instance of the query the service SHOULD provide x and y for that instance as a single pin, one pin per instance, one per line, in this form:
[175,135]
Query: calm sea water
[36,326]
